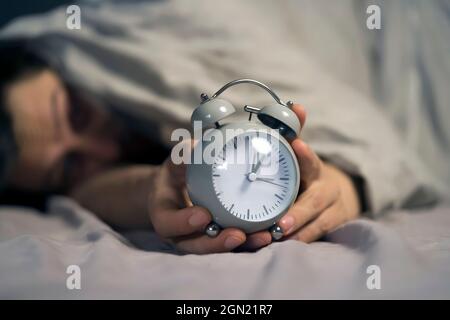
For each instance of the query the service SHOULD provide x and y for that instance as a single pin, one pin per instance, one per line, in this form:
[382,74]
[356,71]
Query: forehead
[30,102]
[31,97]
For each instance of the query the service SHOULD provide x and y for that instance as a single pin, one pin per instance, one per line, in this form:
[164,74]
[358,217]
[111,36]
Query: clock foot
[276,232]
[212,230]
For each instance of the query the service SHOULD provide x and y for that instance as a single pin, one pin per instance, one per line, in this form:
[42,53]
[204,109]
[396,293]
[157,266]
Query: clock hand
[269,181]
[253,162]
[258,165]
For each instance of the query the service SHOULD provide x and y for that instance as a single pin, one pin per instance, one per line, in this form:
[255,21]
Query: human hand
[328,197]
[180,223]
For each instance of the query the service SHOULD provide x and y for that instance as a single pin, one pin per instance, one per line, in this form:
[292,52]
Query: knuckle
[338,191]
[306,235]
[317,166]
[324,226]
[317,201]
[303,236]
[159,227]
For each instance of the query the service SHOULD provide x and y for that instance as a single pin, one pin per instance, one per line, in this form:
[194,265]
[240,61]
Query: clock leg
[212,230]
[276,232]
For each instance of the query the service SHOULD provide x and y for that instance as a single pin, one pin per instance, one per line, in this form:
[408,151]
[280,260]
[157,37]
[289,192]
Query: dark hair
[16,62]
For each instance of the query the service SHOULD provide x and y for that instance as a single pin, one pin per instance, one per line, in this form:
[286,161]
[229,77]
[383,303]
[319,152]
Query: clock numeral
[248,214]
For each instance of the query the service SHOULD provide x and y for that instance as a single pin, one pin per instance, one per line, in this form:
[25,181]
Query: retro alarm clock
[245,194]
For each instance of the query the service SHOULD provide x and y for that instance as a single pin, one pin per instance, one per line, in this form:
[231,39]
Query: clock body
[252,180]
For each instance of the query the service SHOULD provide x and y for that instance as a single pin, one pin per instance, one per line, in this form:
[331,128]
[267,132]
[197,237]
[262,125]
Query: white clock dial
[251,189]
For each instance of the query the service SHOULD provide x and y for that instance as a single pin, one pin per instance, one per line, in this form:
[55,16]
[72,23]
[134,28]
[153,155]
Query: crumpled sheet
[410,247]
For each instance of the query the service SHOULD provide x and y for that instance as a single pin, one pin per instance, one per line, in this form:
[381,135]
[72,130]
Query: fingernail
[287,223]
[198,219]
[232,242]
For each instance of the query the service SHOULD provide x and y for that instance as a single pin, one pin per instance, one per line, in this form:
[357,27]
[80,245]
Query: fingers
[168,186]
[319,227]
[227,240]
[310,164]
[174,223]
[311,203]
[309,233]
[300,111]
[257,240]
[176,173]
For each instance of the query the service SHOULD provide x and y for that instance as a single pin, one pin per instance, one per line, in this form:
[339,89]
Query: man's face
[60,143]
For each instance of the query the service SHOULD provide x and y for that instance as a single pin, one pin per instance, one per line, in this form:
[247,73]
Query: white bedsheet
[412,250]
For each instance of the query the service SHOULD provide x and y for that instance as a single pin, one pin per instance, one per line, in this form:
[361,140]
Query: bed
[152,60]
[411,250]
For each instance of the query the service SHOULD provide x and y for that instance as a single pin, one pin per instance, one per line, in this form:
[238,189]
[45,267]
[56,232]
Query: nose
[101,150]
[95,151]
[95,157]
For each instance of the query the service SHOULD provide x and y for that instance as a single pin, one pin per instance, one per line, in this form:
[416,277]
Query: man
[63,143]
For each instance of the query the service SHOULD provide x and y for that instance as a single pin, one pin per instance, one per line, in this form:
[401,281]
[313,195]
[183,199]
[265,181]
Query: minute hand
[270,181]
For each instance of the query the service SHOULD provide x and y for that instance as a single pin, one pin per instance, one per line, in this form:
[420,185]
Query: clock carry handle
[279,116]
[250,81]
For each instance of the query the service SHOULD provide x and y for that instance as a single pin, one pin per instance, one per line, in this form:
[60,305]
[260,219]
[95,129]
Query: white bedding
[153,60]
[411,249]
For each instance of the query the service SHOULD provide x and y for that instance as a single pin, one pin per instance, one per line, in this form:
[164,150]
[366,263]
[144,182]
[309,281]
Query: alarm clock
[245,194]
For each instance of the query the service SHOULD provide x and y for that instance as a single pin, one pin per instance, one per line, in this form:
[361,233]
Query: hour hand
[256,168]
[258,164]
[254,162]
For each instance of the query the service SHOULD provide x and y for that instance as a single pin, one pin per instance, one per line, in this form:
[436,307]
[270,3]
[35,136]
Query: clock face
[254,176]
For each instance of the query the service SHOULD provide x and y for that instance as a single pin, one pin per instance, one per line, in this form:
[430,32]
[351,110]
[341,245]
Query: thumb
[310,163]
[176,173]
[300,111]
